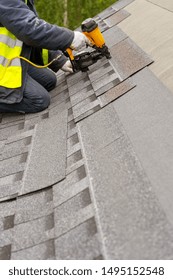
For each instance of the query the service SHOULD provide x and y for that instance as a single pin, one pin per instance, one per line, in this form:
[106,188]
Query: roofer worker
[23,87]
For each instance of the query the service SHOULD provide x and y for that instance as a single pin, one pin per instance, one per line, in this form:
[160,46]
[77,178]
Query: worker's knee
[42,102]
[51,84]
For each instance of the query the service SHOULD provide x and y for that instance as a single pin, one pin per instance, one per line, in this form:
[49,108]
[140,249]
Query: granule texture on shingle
[128,58]
[117,18]
[130,216]
[47,161]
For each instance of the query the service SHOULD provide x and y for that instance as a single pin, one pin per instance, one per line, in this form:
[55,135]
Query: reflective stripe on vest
[10,48]
[10,65]
[45,56]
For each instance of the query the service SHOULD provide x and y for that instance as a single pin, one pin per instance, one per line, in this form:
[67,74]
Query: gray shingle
[10,118]
[98,73]
[75,157]
[10,130]
[75,166]
[44,251]
[7,208]
[117,18]
[138,229]
[67,223]
[20,136]
[94,129]
[16,148]
[63,193]
[33,233]
[79,86]
[128,58]
[55,110]
[13,165]
[80,243]
[113,36]
[34,206]
[107,13]
[102,26]
[8,222]
[110,80]
[75,78]
[85,106]
[10,191]
[11,179]
[43,169]
[72,141]
[147,115]
[116,92]
[94,107]
[58,99]
[60,88]
[81,95]
[2,144]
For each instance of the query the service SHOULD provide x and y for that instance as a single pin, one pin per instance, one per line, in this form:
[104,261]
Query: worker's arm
[27,27]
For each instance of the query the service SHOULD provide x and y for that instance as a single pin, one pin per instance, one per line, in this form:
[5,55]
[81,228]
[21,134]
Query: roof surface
[91,176]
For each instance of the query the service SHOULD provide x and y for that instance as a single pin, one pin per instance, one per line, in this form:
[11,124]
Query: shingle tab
[40,230]
[94,129]
[42,169]
[9,191]
[116,92]
[44,251]
[128,58]
[100,85]
[113,36]
[64,225]
[6,132]
[117,18]
[80,243]
[81,95]
[138,229]
[84,106]
[107,13]
[147,115]
[34,206]
[93,108]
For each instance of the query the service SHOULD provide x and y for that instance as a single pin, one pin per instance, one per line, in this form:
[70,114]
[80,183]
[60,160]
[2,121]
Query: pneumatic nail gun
[81,61]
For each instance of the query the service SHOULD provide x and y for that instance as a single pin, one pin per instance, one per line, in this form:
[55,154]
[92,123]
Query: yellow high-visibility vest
[45,56]
[10,64]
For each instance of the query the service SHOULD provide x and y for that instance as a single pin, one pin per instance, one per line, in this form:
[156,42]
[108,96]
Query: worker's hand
[79,41]
[67,67]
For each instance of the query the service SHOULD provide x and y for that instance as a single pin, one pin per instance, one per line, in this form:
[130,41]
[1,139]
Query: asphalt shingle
[79,176]
[117,18]
[107,13]
[128,58]
[42,169]
[114,35]
[116,92]
[44,251]
[138,217]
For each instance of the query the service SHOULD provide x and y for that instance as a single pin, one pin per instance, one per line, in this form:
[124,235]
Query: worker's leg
[45,77]
[35,97]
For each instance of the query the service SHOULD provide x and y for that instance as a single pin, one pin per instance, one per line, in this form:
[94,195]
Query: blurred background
[70,13]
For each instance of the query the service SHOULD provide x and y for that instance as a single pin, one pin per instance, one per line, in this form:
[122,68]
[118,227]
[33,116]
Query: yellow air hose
[33,64]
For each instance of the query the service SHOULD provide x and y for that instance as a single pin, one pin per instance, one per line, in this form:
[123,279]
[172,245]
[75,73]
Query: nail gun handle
[70,53]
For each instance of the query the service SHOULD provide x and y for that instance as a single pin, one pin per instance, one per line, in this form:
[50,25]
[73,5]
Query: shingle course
[75,185]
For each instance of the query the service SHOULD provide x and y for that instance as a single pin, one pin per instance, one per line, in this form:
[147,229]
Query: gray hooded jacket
[22,20]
